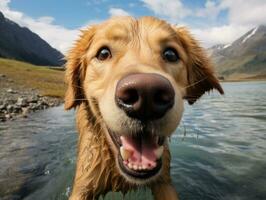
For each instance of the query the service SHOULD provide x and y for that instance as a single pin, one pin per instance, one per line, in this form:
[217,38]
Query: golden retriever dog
[128,79]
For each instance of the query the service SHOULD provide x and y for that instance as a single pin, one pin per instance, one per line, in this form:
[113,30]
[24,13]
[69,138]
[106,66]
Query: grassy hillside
[244,66]
[48,81]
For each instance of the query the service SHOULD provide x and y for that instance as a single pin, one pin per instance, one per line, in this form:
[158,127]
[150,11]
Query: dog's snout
[145,96]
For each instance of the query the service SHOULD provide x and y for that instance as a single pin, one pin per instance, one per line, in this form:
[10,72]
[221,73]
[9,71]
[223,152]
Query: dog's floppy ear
[200,76]
[76,67]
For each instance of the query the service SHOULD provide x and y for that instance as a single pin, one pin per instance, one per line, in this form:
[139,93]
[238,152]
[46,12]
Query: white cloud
[118,12]
[242,16]
[211,9]
[243,12]
[173,9]
[219,34]
[57,36]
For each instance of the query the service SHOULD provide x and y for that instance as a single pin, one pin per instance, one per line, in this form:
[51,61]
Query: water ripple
[218,152]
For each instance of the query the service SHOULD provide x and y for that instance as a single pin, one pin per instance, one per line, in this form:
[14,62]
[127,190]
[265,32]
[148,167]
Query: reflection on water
[218,152]
[37,156]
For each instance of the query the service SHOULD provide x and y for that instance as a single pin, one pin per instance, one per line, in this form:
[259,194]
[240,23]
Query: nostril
[162,98]
[129,96]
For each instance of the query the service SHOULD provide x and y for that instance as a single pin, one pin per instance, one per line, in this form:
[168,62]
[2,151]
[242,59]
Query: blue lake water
[218,151]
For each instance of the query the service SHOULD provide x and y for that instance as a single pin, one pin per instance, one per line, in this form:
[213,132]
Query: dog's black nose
[145,96]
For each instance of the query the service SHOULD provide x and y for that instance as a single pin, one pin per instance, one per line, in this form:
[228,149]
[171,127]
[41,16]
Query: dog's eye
[103,54]
[170,55]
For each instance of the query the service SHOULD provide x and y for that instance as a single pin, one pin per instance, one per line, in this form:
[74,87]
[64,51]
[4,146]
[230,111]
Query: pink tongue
[142,151]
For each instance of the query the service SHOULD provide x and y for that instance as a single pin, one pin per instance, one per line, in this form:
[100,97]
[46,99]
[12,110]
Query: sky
[210,21]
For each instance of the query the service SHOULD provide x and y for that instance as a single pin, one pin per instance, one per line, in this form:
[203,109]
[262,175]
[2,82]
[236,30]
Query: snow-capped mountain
[244,57]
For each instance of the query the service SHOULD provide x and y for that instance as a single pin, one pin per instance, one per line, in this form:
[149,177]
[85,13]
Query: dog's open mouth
[139,155]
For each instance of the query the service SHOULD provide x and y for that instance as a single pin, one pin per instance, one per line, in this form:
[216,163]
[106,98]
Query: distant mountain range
[20,43]
[244,58]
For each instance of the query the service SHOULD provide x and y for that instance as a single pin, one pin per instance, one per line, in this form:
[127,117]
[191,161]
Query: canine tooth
[153,165]
[135,167]
[159,152]
[124,153]
[130,165]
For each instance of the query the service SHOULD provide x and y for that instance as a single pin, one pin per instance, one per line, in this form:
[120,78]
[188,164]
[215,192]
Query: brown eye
[103,54]
[170,55]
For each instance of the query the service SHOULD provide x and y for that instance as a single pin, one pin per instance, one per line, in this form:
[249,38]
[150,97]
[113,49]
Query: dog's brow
[167,37]
[117,32]
[165,40]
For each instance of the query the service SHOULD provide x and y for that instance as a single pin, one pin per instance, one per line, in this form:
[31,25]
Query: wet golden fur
[90,85]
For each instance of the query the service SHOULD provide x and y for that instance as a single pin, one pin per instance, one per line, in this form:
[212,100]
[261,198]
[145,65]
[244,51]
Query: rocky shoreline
[18,101]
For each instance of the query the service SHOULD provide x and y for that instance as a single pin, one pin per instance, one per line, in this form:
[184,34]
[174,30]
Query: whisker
[195,83]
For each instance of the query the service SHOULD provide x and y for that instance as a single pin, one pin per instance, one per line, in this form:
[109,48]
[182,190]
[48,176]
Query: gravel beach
[19,101]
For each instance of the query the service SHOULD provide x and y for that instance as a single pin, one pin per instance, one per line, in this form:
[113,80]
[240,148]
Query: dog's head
[134,75]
